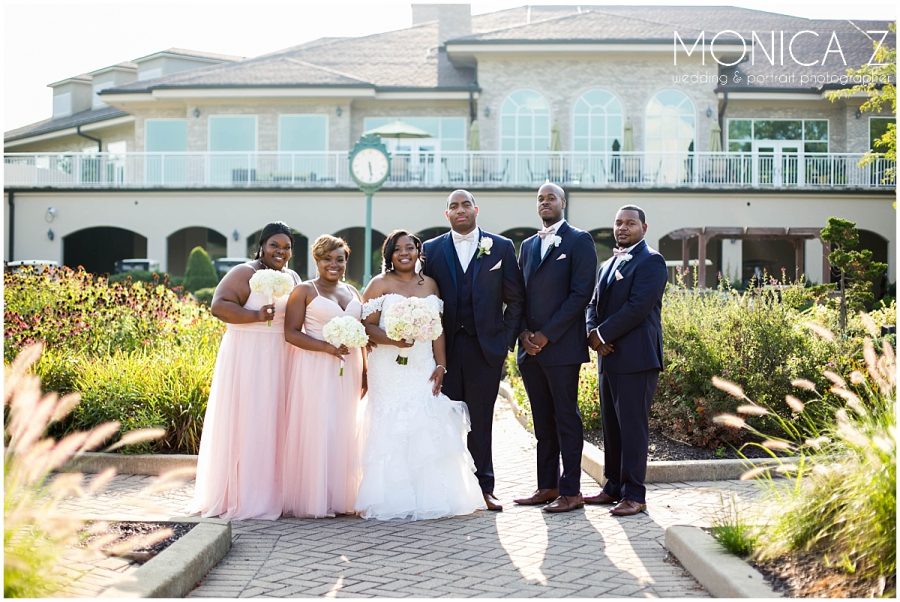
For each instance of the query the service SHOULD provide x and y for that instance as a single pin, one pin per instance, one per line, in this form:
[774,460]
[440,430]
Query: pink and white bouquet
[271,284]
[347,331]
[412,319]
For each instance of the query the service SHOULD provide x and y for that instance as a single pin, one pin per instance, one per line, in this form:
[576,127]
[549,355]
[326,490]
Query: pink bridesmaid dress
[321,471]
[239,467]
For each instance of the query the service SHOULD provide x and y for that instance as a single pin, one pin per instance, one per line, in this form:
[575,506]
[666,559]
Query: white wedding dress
[415,463]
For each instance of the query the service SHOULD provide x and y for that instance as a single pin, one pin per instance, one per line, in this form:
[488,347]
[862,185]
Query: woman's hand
[265,313]
[437,379]
[338,352]
[402,343]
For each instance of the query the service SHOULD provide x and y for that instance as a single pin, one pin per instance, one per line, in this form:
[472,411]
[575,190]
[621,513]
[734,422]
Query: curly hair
[390,245]
[327,243]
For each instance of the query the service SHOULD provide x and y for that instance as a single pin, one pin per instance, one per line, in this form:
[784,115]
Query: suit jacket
[497,281]
[627,311]
[557,289]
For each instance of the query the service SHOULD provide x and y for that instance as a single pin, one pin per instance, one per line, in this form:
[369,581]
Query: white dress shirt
[547,240]
[466,245]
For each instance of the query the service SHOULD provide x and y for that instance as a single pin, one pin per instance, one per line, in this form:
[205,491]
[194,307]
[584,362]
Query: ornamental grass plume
[37,530]
[838,498]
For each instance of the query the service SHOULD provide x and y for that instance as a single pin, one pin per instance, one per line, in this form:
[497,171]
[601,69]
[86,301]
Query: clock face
[369,166]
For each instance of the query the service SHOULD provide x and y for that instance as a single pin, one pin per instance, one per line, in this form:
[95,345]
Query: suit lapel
[605,282]
[535,251]
[561,231]
[475,262]
[450,256]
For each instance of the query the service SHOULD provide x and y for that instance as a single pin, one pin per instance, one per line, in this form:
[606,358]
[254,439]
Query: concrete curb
[145,464]
[176,571]
[724,575]
[662,471]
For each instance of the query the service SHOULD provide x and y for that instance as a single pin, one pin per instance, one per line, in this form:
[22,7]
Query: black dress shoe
[541,496]
[601,499]
[565,503]
[492,503]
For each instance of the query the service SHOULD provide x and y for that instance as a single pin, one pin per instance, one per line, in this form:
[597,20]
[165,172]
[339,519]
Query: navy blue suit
[482,313]
[626,308]
[557,289]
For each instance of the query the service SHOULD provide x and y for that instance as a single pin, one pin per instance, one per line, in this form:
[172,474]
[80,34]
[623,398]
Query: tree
[856,268]
[878,84]
[200,272]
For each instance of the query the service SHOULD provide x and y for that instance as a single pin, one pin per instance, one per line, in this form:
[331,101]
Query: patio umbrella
[398,129]
[715,139]
[474,137]
[555,147]
[628,137]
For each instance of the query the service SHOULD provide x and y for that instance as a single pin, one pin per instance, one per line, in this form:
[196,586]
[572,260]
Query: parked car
[224,264]
[127,265]
[38,265]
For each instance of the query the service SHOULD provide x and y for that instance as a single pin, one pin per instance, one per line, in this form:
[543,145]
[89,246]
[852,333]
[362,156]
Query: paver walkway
[520,552]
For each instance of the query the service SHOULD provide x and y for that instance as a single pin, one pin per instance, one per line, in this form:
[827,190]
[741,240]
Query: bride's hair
[390,245]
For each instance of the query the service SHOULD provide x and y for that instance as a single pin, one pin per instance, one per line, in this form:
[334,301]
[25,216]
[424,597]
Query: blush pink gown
[239,467]
[321,472]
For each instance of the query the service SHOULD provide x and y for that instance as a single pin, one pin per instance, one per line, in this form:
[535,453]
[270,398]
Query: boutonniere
[626,257]
[484,246]
[555,241]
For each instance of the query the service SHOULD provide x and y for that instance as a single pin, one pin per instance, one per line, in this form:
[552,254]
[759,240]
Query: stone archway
[98,249]
[180,243]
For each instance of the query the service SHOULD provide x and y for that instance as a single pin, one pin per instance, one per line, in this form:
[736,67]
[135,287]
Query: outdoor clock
[370,163]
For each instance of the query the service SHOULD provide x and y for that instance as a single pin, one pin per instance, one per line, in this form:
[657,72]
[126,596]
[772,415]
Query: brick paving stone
[521,552]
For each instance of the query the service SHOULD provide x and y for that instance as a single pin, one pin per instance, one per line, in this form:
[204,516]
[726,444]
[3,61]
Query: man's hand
[540,339]
[594,341]
[526,341]
[605,349]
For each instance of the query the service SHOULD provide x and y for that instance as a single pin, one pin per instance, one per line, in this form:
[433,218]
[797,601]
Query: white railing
[449,169]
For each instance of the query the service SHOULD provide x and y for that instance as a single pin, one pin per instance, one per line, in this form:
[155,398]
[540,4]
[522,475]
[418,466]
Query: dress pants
[471,379]
[553,393]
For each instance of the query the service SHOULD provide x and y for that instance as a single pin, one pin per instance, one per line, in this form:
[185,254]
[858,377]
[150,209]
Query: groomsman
[477,275]
[624,327]
[558,263]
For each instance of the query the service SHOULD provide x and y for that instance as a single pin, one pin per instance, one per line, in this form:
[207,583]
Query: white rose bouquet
[347,331]
[271,284]
[412,319]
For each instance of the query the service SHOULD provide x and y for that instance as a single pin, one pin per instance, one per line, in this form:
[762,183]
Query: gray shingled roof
[62,123]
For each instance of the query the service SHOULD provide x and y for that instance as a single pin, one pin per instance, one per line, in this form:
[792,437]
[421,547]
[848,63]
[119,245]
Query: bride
[415,463]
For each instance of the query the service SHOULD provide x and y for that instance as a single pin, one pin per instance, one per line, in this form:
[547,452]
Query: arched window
[525,122]
[597,122]
[669,136]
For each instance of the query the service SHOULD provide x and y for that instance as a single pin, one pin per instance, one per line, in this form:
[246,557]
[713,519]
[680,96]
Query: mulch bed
[128,529]
[806,576]
[665,448]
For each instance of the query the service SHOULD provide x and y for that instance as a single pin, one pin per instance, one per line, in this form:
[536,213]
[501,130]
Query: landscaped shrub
[205,295]
[840,503]
[200,272]
[139,354]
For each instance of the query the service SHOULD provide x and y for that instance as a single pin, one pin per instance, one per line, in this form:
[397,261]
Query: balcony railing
[719,170]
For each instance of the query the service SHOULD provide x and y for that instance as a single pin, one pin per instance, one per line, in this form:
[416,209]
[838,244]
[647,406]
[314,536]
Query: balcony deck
[480,170]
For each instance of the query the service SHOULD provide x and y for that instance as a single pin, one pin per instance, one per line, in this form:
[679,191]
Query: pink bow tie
[545,232]
[619,252]
[458,238]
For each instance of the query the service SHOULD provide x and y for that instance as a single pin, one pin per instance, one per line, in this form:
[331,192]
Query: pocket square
[619,275]
[496,267]
[563,256]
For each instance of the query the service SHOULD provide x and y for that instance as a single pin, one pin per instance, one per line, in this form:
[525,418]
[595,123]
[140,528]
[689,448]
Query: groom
[477,274]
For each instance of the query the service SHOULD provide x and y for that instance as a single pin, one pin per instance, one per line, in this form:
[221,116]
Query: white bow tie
[545,232]
[458,238]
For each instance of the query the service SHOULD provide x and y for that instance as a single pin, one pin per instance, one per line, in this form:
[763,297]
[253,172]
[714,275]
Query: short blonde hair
[327,243]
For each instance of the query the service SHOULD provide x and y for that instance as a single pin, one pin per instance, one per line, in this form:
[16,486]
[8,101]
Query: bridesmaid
[238,471]
[322,476]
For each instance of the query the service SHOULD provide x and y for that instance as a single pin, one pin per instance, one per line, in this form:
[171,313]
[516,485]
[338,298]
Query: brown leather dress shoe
[628,508]
[541,496]
[492,503]
[565,503]
[601,499]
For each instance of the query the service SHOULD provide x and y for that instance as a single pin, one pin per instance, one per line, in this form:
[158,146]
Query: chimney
[454,20]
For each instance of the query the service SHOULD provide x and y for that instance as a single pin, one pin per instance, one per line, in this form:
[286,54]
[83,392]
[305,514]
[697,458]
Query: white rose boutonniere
[484,246]
[625,257]
[555,241]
